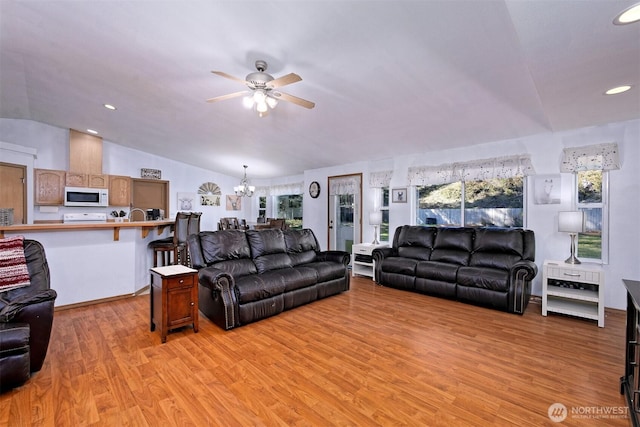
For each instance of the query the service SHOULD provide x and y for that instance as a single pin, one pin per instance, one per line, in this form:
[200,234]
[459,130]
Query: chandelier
[244,189]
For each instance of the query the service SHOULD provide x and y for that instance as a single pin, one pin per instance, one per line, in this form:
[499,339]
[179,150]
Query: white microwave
[81,196]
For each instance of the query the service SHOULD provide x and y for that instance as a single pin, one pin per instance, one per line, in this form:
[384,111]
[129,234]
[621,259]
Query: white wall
[51,144]
[546,153]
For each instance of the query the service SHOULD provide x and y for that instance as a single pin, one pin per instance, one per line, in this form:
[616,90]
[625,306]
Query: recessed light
[629,15]
[109,106]
[94,132]
[617,90]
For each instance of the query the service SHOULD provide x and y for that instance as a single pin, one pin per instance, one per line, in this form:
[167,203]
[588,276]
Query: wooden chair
[176,245]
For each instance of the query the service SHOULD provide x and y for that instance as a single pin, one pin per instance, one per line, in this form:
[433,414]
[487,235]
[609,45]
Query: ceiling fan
[262,93]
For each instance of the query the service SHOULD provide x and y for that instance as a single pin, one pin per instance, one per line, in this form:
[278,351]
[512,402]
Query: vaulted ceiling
[388,77]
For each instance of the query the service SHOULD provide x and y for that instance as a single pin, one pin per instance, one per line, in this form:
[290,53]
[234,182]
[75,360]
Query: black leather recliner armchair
[26,317]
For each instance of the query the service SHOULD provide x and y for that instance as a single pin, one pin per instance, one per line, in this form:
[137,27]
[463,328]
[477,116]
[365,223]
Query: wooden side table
[174,298]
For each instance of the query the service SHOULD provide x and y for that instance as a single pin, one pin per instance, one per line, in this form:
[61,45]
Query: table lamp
[571,222]
[375,219]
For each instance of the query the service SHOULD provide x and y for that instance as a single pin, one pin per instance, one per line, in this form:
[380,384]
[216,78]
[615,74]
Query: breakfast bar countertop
[145,226]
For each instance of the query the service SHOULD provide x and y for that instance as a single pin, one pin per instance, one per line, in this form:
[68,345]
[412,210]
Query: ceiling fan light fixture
[247,102]
[261,107]
[259,96]
[271,102]
[628,16]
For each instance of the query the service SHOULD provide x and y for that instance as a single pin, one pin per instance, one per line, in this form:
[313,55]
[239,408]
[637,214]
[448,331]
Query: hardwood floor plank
[370,356]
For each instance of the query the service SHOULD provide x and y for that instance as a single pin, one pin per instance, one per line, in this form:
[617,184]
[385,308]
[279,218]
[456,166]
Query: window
[591,197]
[290,208]
[439,204]
[262,208]
[495,202]
[384,208]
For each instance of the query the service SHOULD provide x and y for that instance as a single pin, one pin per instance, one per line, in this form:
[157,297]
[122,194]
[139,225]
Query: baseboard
[140,291]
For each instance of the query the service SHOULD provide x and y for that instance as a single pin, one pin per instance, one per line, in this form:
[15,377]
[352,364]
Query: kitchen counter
[145,226]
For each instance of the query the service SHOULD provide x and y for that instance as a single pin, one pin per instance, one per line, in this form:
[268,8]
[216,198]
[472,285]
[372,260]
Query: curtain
[592,157]
[475,170]
[261,192]
[287,189]
[380,179]
[344,185]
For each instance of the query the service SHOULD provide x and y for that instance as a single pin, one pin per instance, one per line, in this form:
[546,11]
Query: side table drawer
[363,250]
[568,274]
[179,282]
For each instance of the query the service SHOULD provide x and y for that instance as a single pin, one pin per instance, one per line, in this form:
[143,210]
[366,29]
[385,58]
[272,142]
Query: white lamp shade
[571,221]
[375,218]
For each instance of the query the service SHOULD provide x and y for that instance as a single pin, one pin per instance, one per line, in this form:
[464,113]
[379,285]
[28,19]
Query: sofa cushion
[268,249]
[497,248]
[400,265]
[237,267]
[326,270]
[437,271]
[301,246]
[416,241]
[483,277]
[453,245]
[224,245]
[255,287]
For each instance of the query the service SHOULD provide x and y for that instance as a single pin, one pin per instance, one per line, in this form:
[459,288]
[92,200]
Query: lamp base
[375,235]
[572,260]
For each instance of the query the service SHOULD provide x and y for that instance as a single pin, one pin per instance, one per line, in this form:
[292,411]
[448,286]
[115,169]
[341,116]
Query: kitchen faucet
[137,209]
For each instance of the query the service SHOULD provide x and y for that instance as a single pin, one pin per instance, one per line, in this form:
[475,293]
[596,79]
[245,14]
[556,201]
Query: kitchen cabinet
[76,179]
[119,190]
[85,153]
[49,187]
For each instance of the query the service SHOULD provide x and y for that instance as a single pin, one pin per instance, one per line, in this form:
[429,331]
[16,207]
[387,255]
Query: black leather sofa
[26,319]
[248,276]
[485,266]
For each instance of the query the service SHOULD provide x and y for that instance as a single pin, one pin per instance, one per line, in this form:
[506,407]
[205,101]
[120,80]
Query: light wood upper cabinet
[119,190]
[75,179]
[85,153]
[49,187]
[98,181]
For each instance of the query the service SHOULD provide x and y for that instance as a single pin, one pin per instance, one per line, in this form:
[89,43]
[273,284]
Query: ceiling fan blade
[231,95]
[229,76]
[299,101]
[284,80]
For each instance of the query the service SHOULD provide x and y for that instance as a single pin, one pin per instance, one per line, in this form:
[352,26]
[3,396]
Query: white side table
[573,289]
[362,263]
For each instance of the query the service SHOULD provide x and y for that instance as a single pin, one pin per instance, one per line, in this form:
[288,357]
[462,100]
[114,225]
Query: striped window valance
[476,170]
[591,157]
[380,179]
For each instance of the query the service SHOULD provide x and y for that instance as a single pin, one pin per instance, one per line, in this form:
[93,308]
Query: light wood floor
[370,356]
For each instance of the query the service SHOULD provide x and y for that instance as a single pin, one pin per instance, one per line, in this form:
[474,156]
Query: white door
[345,213]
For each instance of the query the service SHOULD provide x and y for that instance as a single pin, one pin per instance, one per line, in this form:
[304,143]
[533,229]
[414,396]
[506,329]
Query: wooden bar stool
[173,250]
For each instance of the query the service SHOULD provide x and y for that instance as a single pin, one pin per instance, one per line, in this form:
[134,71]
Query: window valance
[380,179]
[591,157]
[345,185]
[261,192]
[476,170]
[287,189]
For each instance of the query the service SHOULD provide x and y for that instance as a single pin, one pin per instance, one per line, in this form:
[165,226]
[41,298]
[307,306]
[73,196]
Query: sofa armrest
[341,257]
[10,308]
[215,279]
[523,270]
[520,276]
[379,254]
